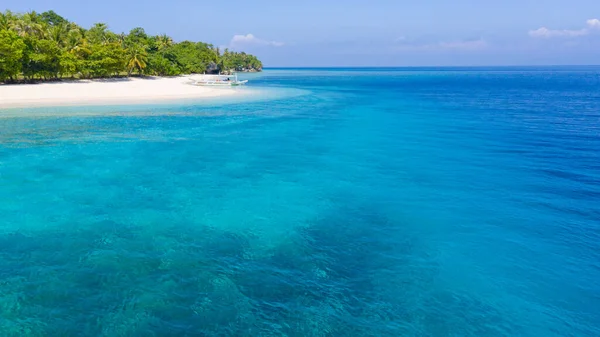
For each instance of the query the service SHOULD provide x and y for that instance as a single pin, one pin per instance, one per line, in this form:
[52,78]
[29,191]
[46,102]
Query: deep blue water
[380,202]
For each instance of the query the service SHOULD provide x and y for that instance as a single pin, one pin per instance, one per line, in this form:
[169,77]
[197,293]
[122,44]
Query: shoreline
[131,90]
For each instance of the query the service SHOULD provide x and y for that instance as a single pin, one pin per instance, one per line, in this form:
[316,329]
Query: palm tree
[137,59]
[121,39]
[75,39]
[98,33]
[101,26]
[164,41]
[28,24]
[5,20]
[59,33]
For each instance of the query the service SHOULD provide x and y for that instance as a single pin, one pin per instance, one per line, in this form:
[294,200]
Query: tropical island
[47,46]
[57,62]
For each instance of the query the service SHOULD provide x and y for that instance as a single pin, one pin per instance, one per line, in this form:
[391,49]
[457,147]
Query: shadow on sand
[83,80]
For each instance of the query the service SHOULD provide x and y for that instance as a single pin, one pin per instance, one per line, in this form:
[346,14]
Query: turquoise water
[348,202]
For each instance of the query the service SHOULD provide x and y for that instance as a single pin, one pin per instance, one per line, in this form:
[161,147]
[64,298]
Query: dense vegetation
[47,46]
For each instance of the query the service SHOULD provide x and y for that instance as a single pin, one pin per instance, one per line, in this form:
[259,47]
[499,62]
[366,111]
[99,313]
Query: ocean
[344,202]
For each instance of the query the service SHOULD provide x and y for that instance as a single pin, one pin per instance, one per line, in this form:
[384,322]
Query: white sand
[108,91]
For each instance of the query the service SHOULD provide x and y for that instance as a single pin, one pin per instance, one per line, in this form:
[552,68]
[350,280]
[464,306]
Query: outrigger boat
[218,80]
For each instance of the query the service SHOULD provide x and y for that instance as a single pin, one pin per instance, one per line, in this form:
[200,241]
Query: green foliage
[52,19]
[191,57]
[163,42]
[161,66]
[12,48]
[105,60]
[47,46]
[70,64]
[240,61]
[28,24]
[5,20]
[137,58]
[43,59]
[98,34]
[137,36]
[74,39]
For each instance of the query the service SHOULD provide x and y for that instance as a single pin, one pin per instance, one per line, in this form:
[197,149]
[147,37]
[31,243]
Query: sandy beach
[106,91]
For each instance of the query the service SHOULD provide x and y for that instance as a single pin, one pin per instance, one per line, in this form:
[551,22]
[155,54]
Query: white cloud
[547,33]
[593,23]
[250,39]
[544,32]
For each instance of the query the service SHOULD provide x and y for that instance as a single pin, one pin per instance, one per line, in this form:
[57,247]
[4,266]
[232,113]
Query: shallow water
[362,202]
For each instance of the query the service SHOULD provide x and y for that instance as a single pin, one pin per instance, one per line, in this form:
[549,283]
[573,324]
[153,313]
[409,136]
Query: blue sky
[362,33]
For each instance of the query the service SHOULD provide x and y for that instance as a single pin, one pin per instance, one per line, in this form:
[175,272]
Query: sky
[321,33]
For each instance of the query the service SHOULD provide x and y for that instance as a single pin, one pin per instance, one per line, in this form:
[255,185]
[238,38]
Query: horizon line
[431,66]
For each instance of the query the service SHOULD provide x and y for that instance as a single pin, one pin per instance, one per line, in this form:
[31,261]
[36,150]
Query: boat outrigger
[218,80]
